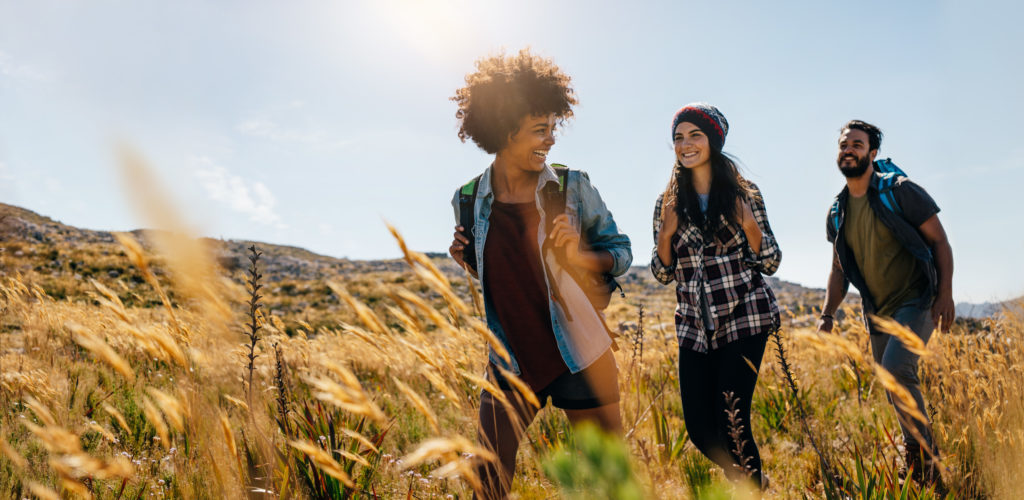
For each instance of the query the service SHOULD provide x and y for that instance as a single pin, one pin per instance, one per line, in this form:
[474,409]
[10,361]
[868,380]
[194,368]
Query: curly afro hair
[503,90]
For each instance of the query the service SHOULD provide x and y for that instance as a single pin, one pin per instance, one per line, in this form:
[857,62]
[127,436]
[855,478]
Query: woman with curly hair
[712,237]
[526,254]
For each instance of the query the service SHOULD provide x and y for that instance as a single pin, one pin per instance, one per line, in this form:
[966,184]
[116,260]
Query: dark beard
[854,172]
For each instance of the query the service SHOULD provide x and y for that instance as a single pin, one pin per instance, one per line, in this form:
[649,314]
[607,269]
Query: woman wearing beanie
[522,246]
[712,237]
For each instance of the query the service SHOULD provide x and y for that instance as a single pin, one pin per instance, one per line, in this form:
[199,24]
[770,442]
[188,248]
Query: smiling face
[855,155]
[528,147]
[691,145]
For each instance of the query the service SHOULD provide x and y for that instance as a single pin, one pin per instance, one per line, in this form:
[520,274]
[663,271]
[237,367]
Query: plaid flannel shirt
[741,303]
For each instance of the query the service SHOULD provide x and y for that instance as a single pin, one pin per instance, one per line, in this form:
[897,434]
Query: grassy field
[156,370]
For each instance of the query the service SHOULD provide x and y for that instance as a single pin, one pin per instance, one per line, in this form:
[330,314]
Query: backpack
[598,288]
[889,178]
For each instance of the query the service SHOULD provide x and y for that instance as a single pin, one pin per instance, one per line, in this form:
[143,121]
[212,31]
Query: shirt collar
[484,189]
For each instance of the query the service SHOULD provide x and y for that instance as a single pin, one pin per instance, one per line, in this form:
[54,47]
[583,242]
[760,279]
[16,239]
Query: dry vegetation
[174,377]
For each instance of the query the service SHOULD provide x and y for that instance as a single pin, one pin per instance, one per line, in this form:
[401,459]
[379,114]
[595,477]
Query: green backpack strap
[562,172]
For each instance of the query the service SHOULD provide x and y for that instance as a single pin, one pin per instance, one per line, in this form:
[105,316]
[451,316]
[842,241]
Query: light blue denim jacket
[579,341]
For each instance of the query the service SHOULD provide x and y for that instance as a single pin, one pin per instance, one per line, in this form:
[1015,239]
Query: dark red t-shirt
[514,281]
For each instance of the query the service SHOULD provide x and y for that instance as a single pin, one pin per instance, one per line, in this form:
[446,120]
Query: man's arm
[835,291]
[943,312]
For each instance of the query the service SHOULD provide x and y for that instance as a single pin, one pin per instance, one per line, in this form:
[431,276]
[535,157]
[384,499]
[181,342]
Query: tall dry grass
[105,395]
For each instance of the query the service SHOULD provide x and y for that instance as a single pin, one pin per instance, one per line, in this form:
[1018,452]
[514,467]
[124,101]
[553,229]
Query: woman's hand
[563,234]
[746,220]
[669,225]
[669,217]
[744,214]
[458,248]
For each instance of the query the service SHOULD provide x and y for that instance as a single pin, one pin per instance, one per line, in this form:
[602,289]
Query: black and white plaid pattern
[741,302]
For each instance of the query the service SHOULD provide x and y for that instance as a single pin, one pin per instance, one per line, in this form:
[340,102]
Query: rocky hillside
[281,262]
[63,257]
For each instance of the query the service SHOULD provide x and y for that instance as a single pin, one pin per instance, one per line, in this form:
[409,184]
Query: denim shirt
[583,338]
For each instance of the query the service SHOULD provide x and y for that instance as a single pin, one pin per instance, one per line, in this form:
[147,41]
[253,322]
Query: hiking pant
[704,380]
[889,352]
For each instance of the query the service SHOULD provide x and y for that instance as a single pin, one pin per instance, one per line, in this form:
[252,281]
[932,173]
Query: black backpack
[598,288]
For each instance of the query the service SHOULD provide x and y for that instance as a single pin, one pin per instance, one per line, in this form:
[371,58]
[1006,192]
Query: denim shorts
[595,386]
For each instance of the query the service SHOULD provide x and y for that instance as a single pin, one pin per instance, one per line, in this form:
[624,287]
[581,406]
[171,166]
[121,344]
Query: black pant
[704,379]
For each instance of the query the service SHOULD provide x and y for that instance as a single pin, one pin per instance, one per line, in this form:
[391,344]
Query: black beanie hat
[707,118]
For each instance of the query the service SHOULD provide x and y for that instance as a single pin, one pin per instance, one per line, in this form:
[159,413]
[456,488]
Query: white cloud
[252,198]
[11,68]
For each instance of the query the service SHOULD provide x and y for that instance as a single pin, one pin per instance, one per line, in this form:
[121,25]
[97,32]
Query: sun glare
[431,28]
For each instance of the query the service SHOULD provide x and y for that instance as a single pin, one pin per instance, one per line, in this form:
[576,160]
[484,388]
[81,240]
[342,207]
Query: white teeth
[541,154]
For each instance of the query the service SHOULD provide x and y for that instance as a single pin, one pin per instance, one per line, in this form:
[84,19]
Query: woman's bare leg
[607,417]
[501,432]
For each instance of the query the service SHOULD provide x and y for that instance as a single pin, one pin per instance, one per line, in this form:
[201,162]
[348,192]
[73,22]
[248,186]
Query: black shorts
[595,386]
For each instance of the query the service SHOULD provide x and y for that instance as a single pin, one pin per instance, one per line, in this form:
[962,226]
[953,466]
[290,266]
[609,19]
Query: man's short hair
[874,133]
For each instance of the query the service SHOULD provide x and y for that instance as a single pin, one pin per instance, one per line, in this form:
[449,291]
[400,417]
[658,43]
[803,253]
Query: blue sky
[309,123]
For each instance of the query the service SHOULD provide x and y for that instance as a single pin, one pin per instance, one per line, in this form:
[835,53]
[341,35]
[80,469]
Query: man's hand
[825,324]
[943,311]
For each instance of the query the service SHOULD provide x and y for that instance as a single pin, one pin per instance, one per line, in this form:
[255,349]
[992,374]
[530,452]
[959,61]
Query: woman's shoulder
[751,185]
[472,185]
[578,180]
[753,191]
[576,174]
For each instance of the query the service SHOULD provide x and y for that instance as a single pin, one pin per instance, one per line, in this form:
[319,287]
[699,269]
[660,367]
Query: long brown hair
[727,185]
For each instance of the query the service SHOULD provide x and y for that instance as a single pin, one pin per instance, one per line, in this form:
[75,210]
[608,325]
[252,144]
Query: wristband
[823,316]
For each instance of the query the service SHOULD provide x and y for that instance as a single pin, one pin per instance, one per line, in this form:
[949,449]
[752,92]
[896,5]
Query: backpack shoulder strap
[467,199]
[554,196]
[833,216]
[889,176]
[467,217]
[562,172]
[886,166]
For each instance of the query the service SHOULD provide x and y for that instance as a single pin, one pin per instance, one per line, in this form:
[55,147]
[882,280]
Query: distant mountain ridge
[289,262]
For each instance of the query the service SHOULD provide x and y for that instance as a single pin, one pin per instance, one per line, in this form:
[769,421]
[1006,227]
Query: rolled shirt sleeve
[768,258]
[917,205]
[455,206]
[664,274]
[599,227]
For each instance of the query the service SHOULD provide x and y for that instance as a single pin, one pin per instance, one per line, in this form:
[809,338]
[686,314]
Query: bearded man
[887,240]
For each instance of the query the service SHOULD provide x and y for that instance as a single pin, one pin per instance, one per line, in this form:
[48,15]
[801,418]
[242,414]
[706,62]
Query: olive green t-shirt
[892,274]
